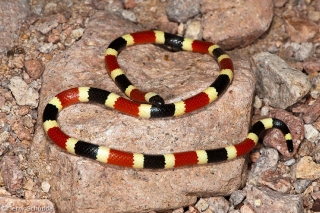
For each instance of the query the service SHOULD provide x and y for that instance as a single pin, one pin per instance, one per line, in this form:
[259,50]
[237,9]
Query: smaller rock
[34,68]
[311,65]
[311,133]
[194,30]
[77,33]
[23,94]
[290,162]
[266,200]
[182,10]
[28,185]
[257,102]
[46,48]
[312,112]
[300,51]
[307,169]
[300,30]
[305,50]
[4,136]
[202,205]
[217,204]
[275,181]
[281,84]
[46,27]
[237,197]
[267,161]
[265,110]
[45,186]
[129,15]
[301,185]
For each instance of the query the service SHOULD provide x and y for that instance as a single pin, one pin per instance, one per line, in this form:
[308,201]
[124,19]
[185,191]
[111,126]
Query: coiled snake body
[150,105]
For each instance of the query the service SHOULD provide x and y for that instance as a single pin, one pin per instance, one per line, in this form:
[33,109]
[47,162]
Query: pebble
[46,27]
[246,209]
[202,205]
[4,136]
[46,48]
[274,180]
[237,197]
[290,162]
[45,186]
[257,102]
[194,30]
[307,169]
[34,68]
[129,15]
[311,133]
[312,112]
[28,185]
[300,51]
[266,200]
[279,83]
[77,33]
[265,111]
[182,10]
[267,161]
[217,204]
[23,94]
[301,185]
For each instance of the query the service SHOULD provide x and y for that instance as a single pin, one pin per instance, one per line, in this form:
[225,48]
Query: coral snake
[151,105]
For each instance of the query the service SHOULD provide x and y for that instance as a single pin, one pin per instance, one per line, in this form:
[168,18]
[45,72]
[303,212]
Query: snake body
[151,105]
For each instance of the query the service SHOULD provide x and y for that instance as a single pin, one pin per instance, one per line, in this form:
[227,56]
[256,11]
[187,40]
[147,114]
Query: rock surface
[12,14]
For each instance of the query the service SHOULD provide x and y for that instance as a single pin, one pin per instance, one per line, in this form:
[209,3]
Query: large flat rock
[84,185]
